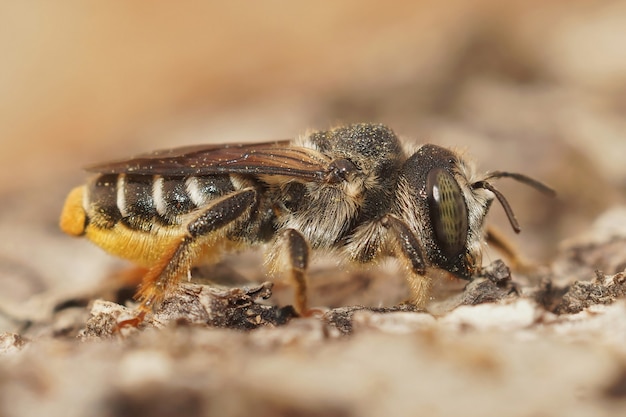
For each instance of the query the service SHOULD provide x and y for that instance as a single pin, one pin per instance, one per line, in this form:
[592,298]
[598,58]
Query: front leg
[177,261]
[496,239]
[409,249]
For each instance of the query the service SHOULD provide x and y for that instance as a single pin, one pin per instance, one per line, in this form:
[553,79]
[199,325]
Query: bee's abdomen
[101,201]
[141,201]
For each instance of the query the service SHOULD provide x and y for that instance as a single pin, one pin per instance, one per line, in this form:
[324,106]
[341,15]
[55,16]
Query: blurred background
[531,86]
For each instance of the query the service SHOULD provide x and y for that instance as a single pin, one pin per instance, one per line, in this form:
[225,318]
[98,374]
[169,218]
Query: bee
[356,191]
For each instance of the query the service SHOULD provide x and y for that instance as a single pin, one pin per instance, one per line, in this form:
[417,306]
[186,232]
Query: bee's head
[446,207]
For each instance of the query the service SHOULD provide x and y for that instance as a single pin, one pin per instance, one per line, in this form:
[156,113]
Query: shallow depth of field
[526,86]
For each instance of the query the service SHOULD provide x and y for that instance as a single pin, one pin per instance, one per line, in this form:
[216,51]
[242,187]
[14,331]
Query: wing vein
[274,158]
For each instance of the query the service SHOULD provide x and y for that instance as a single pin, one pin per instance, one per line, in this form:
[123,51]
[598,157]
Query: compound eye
[448,212]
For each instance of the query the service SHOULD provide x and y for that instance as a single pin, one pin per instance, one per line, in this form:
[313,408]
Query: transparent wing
[269,158]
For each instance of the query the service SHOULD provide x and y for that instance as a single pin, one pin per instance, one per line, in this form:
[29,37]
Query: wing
[269,158]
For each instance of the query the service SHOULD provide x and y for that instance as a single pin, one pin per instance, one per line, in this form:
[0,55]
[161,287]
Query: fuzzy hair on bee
[356,191]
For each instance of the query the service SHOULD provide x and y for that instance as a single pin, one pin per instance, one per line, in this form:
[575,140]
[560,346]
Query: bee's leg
[177,261]
[298,256]
[290,253]
[496,239]
[410,251]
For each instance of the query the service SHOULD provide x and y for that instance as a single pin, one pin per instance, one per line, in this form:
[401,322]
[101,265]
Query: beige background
[532,86]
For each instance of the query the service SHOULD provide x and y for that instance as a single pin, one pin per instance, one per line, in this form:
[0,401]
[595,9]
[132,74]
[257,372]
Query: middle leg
[290,254]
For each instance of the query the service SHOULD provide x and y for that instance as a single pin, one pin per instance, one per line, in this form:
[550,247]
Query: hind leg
[176,262]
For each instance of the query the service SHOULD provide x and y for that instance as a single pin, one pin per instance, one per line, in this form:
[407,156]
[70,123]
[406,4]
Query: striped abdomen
[139,217]
[141,201]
